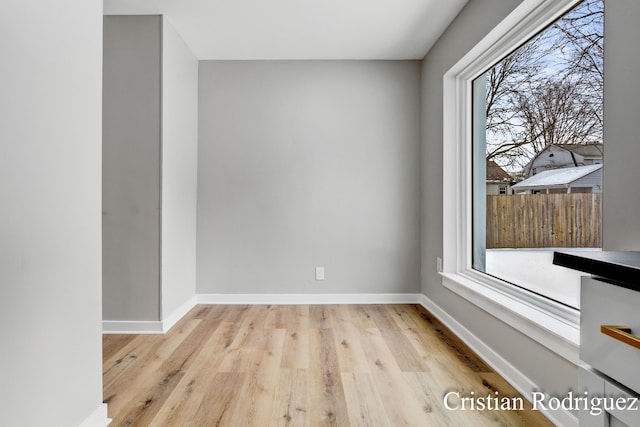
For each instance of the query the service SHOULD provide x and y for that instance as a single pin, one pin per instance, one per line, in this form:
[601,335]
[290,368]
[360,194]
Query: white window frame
[551,324]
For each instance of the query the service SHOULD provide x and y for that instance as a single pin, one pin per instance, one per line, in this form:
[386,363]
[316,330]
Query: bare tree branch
[549,91]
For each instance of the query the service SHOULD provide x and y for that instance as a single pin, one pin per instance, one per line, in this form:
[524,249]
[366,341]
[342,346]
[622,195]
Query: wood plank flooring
[300,365]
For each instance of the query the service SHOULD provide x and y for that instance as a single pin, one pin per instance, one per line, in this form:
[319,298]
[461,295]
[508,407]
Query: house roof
[585,150]
[496,173]
[591,151]
[556,177]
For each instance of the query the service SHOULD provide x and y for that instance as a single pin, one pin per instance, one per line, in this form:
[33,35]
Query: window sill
[552,325]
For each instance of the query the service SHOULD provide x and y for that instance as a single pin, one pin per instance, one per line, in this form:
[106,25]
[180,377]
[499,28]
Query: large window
[537,126]
[500,135]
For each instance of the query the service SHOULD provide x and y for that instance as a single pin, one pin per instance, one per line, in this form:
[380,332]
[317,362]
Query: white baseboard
[131,327]
[98,418]
[148,326]
[161,327]
[178,314]
[513,376]
[283,299]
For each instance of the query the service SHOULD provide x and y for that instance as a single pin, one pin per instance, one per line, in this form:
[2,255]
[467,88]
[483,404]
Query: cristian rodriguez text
[595,405]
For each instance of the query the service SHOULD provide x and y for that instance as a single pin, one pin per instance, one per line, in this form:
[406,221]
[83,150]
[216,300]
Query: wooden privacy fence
[544,221]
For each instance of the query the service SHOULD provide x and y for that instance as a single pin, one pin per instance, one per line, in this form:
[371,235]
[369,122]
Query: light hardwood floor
[300,365]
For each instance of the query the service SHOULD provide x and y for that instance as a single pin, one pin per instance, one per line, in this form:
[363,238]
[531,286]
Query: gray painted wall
[551,372]
[179,169]
[131,168]
[50,264]
[149,168]
[621,224]
[304,164]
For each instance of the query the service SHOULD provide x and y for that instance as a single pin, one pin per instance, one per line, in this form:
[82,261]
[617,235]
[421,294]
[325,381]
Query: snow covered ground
[533,269]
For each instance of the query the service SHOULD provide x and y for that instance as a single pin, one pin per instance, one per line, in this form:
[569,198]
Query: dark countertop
[619,268]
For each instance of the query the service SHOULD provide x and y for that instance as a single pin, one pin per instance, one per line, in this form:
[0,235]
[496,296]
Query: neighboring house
[581,179]
[564,156]
[498,180]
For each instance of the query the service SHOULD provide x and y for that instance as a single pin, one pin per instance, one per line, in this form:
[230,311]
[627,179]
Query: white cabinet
[611,383]
[607,404]
[603,304]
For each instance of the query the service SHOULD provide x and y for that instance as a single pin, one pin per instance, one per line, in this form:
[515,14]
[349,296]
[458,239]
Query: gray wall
[551,372]
[50,264]
[150,169]
[621,223]
[304,164]
[131,168]
[179,170]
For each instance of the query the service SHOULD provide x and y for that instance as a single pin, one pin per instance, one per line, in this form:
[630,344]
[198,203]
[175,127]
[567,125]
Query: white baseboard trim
[131,327]
[178,314]
[148,326]
[162,327]
[513,376]
[284,299]
[98,418]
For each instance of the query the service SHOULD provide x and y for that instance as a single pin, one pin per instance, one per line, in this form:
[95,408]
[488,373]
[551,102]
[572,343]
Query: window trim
[551,324]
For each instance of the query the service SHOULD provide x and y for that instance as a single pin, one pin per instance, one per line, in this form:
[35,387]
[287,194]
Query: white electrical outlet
[319,273]
[439,264]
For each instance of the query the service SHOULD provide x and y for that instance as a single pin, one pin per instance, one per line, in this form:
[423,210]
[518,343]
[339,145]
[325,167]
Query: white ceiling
[302,29]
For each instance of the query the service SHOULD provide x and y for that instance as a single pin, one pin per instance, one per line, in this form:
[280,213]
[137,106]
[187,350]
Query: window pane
[538,155]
